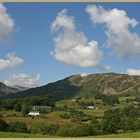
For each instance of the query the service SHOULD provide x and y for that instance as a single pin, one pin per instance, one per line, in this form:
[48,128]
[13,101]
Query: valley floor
[70,115]
[23,135]
[128,135]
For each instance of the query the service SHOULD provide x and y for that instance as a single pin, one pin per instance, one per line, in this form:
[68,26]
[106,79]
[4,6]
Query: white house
[33,113]
[73,100]
[90,107]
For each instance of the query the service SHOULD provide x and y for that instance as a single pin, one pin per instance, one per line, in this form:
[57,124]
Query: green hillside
[87,86]
[5,90]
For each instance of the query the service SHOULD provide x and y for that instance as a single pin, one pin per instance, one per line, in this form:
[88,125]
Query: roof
[34,113]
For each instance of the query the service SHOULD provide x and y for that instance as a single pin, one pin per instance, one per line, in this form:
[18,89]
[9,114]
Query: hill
[6,90]
[86,86]
[20,88]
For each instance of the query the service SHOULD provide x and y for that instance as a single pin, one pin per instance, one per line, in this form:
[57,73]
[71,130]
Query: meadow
[23,135]
[68,112]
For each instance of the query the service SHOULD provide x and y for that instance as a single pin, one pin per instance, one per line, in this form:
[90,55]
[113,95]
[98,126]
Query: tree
[76,116]
[94,127]
[130,124]
[65,115]
[73,130]
[98,96]
[25,109]
[35,100]
[19,127]
[8,104]
[131,111]
[110,100]
[17,107]
[3,125]
[42,128]
[111,121]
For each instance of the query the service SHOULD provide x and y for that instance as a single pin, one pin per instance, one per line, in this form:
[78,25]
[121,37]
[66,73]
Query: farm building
[90,107]
[33,113]
[37,108]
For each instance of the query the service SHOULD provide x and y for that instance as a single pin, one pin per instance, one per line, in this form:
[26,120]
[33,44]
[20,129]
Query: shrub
[19,127]
[25,109]
[94,127]
[72,130]
[120,131]
[131,111]
[130,124]
[17,107]
[111,121]
[49,129]
[65,115]
[3,125]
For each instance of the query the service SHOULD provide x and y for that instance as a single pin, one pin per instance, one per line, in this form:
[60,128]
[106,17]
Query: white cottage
[73,100]
[33,113]
[90,107]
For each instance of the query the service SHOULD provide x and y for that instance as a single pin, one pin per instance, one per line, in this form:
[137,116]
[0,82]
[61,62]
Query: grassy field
[22,135]
[128,135]
[54,117]
[51,118]
[94,112]
[123,101]
[69,103]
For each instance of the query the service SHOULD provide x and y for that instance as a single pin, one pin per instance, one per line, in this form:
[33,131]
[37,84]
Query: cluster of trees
[75,116]
[114,121]
[132,111]
[19,127]
[137,99]
[45,129]
[118,121]
[108,100]
[84,104]
[75,130]
[25,104]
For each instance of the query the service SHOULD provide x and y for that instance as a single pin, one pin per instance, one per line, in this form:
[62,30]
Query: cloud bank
[133,71]
[22,80]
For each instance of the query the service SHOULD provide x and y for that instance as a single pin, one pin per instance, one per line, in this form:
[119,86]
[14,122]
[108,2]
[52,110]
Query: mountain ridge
[86,86]
[6,90]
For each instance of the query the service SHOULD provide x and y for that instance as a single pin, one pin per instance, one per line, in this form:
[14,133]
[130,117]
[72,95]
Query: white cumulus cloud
[10,62]
[22,80]
[71,46]
[133,71]
[6,23]
[117,23]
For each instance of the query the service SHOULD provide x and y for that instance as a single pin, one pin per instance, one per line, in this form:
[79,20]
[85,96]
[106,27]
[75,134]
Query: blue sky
[31,40]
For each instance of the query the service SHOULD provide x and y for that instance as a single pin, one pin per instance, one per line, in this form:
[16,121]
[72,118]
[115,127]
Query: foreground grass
[23,135]
[128,135]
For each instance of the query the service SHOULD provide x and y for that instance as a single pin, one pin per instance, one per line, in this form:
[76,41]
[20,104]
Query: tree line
[25,105]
